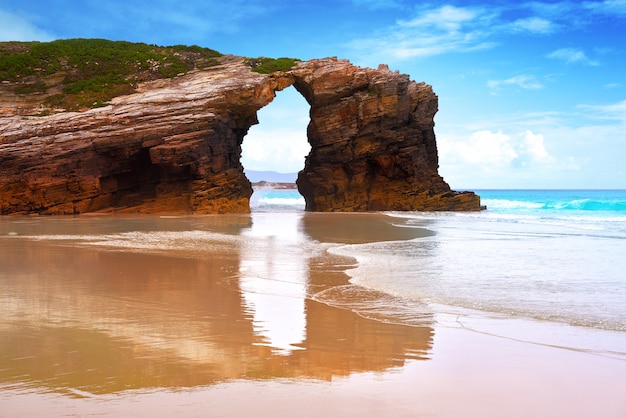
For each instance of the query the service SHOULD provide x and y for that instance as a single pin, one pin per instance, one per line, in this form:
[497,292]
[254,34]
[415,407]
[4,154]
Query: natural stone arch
[175,145]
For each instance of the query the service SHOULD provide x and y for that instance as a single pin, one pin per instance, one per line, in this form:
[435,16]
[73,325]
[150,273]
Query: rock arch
[175,145]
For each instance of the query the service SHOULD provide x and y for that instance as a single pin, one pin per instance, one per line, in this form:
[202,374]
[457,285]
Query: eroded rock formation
[373,142]
[174,146]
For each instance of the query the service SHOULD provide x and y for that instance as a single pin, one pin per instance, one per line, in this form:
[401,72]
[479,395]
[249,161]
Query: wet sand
[230,320]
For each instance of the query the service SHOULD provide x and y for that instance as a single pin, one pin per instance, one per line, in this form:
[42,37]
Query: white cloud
[607,7]
[276,149]
[431,32]
[572,56]
[496,150]
[532,149]
[448,29]
[533,25]
[615,111]
[524,81]
[488,159]
[542,150]
[279,141]
[15,28]
[446,18]
[554,10]
[482,147]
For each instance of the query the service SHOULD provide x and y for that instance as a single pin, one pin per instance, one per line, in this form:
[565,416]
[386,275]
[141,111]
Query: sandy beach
[234,317]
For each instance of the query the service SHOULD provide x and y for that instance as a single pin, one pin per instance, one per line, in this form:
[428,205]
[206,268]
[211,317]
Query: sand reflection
[80,317]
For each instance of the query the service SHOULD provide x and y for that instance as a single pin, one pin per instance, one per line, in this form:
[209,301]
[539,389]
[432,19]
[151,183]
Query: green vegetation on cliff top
[75,74]
[265,65]
[84,73]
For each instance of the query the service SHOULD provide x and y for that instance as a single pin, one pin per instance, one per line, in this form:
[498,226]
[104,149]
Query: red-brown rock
[372,142]
[174,146]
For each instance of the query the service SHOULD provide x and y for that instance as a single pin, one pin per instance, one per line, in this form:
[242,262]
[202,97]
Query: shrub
[265,65]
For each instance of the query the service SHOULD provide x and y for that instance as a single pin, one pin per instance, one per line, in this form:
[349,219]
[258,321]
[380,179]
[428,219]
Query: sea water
[276,200]
[107,313]
[550,255]
[556,256]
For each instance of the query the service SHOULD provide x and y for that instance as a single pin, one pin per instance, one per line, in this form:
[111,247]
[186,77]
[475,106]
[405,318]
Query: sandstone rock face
[175,145]
[373,142]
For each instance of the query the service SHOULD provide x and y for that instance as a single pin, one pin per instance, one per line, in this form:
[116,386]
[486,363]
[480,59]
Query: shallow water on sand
[553,255]
[111,310]
[99,304]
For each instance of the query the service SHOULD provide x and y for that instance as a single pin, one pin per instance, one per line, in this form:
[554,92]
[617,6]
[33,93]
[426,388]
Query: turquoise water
[521,202]
[602,210]
[582,209]
[270,200]
[552,202]
[552,255]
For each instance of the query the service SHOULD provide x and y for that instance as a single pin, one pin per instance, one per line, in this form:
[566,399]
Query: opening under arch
[273,151]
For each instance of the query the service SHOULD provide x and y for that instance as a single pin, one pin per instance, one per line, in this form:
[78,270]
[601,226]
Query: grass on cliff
[75,74]
[265,65]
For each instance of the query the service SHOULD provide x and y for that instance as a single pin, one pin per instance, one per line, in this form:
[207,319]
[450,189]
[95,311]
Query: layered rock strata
[174,146]
[372,142]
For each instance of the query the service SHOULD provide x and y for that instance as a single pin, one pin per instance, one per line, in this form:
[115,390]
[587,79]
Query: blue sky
[531,94]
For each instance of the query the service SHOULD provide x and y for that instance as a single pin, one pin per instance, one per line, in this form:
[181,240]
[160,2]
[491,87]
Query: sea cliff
[173,144]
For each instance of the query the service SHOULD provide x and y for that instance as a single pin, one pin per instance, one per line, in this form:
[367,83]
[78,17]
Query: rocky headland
[173,144]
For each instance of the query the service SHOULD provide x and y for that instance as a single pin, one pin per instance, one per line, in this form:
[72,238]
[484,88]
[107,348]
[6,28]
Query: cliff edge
[173,145]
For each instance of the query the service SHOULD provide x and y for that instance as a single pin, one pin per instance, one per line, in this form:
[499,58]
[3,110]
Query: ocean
[551,255]
[113,308]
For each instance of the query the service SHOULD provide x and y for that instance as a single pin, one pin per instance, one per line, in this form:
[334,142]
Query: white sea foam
[544,270]
[281,201]
[273,200]
[510,204]
[181,241]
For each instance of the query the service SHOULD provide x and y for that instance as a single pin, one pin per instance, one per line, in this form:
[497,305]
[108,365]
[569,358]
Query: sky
[531,94]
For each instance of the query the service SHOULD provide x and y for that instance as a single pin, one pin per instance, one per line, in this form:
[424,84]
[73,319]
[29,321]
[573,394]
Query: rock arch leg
[372,142]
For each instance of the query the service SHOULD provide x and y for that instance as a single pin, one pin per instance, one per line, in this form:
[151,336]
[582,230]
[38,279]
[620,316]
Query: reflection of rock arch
[371,134]
[182,319]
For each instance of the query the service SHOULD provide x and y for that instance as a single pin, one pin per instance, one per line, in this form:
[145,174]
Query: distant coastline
[274,185]
[272,180]
[270,176]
